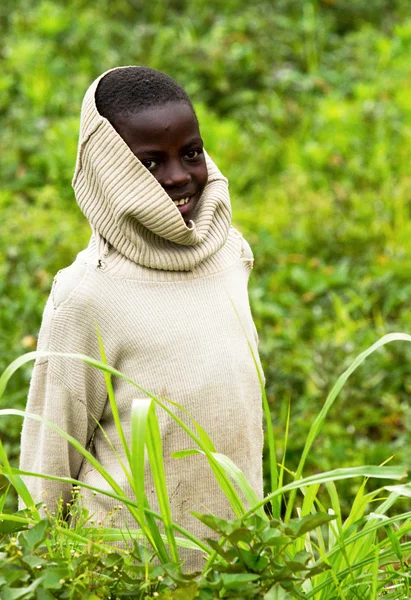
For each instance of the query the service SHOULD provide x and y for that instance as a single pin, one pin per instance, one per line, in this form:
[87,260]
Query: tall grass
[365,553]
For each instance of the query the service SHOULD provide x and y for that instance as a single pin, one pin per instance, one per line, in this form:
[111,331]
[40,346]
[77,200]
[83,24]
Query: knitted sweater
[159,291]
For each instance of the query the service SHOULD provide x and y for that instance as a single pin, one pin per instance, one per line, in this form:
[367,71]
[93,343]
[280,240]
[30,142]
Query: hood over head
[129,209]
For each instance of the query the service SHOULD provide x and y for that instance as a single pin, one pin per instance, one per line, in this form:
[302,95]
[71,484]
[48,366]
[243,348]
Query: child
[157,278]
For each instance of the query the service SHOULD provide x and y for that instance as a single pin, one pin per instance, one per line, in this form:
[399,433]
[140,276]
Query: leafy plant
[256,555]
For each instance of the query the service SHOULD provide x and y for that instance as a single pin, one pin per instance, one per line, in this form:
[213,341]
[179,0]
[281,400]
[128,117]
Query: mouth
[183,201]
[185,205]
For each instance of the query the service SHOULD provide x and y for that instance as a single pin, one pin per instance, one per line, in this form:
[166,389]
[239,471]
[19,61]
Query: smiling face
[167,141]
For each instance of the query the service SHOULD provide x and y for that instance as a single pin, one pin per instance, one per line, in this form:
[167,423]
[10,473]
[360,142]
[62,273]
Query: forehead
[167,125]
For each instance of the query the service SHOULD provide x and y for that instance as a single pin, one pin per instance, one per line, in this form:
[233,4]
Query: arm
[65,391]
[43,450]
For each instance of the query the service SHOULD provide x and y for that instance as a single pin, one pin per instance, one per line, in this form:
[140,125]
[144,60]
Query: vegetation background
[305,105]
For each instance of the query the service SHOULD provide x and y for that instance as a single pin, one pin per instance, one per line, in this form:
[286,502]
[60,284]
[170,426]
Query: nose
[175,175]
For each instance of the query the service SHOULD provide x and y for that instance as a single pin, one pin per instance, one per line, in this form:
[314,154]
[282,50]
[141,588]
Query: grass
[306,110]
[313,552]
[313,133]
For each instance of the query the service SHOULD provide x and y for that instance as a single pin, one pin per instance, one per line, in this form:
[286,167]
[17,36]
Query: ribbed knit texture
[160,293]
[133,213]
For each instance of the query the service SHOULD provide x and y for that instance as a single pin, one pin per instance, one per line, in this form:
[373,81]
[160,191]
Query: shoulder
[246,254]
[67,281]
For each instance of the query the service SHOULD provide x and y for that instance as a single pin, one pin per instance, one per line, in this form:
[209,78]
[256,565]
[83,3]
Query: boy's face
[167,140]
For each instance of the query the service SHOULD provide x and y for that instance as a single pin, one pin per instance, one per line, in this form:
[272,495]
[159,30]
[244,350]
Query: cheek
[202,176]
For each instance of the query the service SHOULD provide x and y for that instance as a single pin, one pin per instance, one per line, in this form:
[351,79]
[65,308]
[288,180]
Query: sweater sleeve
[45,451]
[65,391]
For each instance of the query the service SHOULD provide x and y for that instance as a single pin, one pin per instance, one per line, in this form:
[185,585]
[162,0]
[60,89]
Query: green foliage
[306,108]
[35,565]
[255,553]
[256,556]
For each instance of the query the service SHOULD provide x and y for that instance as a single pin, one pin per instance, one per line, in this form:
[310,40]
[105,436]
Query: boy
[157,278]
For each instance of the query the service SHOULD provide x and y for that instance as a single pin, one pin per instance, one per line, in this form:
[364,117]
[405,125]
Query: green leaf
[394,541]
[53,577]
[297,527]
[277,593]
[37,534]
[155,455]
[242,534]
[20,593]
[18,521]
[273,537]
[228,555]
[335,475]
[184,453]
[319,420]
[10,574]
[34,561]
[42,594]
[299,562]
[139,416]
[239,478]
[221,526]
[236,580]
[317,569]
[254,562]
[275,504]
[186,592]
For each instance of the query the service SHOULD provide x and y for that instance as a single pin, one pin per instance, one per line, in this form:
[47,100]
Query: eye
[193,154]
[149,164]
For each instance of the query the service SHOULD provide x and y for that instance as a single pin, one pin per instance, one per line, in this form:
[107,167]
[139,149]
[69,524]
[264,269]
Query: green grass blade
[222,479]
[400,490]
[335,475]
[287,429]
[184,453]
[276,503]
[112,400]
[85,453]
[116,535]
[238,476]
[116,454]
[153,535]
[17,482]
[202,434]
[358,506]
[139,417]
[232,471]
[121,498]
[155,454]
[3,496]
[310,495]
[319,420]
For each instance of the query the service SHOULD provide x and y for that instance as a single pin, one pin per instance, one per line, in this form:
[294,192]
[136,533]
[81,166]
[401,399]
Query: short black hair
[126,91]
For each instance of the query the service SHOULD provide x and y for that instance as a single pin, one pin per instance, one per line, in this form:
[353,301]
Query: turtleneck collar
[127,207]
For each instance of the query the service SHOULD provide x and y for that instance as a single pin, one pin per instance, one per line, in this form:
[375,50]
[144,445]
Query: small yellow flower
[29,342]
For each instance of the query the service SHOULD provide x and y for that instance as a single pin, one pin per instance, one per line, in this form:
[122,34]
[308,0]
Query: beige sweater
[160,292]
